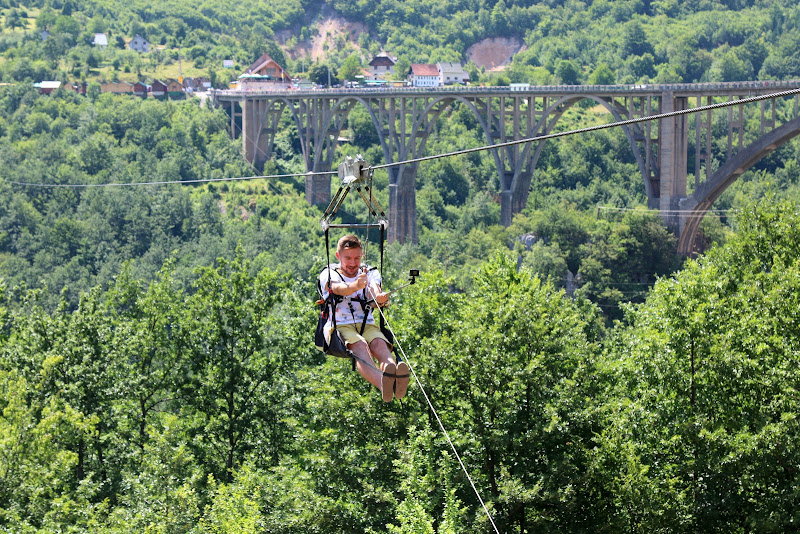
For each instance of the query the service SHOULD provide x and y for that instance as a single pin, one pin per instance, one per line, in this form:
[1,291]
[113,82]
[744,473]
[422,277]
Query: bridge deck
[678,89]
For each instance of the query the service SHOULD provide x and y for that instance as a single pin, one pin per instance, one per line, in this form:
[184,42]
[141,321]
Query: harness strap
[383,231]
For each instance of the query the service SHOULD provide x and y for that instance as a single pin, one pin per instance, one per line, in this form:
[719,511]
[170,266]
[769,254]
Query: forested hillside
[560,41]
[157,371]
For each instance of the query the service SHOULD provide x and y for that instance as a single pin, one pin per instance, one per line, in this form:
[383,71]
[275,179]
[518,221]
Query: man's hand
[361,280]
[382,299]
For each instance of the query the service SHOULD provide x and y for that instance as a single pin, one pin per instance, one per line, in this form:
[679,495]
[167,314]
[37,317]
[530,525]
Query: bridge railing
[534,89]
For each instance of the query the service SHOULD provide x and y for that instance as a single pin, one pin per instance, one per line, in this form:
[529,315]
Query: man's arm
[376,291]
[348,288]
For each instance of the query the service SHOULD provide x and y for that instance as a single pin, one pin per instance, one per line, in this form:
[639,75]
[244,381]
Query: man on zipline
[357,286]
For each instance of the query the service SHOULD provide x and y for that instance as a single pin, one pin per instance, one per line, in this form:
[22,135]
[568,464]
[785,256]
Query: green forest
[565,41]
[157,366]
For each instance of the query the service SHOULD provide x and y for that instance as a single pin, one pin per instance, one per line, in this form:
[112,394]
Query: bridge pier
[506,207]
[253,144]
[318,189]
[402,215]
[673,149]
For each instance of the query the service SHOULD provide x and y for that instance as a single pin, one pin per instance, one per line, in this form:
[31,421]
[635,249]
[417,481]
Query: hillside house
[46,87]
[158,89]
[381,66]
[268,69]
[100,40]
[174,88]
[423,75]
[139,44]
[450,73]
[140,89]
[117,87]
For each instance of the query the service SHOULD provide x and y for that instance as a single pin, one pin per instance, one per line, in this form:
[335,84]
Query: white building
[139,44]
[450,73]
[101,40]
[423,75]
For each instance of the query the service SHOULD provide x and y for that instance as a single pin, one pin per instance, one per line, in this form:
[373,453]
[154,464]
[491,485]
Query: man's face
[350,258]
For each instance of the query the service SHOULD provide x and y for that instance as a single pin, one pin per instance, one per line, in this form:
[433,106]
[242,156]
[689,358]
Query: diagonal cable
[438,420]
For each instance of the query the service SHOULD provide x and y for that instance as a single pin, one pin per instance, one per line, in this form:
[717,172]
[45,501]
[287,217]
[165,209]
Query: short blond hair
[348,241]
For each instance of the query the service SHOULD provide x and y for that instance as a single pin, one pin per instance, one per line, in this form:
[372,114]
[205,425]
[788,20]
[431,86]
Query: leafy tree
[68,25]
[567,72]
[622,265]
[511,372]
[14,19]
[235,362]
[351,67]
[642,66]
[602,75]
[710,367]
[46,20]
[634,41]
[362,127]
[321,74]
[730,67]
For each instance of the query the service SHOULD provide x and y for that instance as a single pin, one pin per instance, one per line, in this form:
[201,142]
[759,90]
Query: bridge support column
[673,155]
[318,190]
[506,207]
[402,214]
[256,147]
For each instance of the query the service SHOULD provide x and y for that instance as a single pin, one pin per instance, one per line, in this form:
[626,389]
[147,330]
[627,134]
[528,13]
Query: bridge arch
[429,115]
[522,181]
[266,113]
[699,202]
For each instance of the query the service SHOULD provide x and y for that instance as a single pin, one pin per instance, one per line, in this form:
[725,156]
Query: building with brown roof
[158,89]
[140,89]
[382,65]
[267,67]
[174,88]
[423,75]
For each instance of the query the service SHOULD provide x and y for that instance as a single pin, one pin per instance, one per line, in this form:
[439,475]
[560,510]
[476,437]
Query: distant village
[266,74]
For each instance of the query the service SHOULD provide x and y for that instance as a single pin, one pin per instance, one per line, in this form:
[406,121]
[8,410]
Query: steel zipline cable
[438,420]
[594,128]
[175,182]
[566,133]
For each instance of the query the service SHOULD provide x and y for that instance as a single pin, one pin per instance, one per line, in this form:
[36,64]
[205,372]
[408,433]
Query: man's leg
[382,351]
[372,374]
[365,365]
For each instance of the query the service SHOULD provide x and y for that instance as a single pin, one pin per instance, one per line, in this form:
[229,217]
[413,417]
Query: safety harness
[333,344]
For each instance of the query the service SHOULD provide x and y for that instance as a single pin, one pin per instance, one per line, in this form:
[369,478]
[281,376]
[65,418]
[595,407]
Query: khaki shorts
[350,335]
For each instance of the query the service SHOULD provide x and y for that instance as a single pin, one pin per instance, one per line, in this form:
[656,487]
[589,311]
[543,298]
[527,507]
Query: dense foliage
[74,238]
[204,408]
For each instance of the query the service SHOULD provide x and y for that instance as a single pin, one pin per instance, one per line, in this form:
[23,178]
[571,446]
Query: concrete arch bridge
[720,144]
